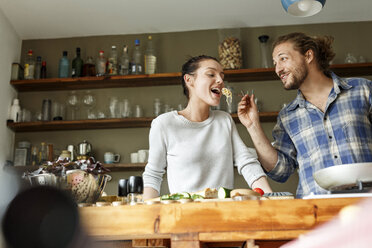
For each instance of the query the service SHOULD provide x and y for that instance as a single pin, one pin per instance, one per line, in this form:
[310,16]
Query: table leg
[186,240]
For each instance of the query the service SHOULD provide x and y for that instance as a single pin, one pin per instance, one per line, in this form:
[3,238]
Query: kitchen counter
[196,224]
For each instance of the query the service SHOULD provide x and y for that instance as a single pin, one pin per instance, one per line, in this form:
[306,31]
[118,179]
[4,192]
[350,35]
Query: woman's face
[207,82]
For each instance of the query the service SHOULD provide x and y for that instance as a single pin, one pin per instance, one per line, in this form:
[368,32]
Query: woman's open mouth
[216,91]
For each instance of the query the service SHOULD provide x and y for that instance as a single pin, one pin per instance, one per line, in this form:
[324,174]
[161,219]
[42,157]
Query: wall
[172,50]
[10,48]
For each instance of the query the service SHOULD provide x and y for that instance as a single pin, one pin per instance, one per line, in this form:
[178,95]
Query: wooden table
[203,224]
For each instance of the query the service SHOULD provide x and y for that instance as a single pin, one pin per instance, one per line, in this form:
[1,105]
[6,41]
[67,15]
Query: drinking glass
[135,189]
[350,58]
[73,102]
[58,111]
[138,111]
[126,111]
[89,102]
[114,107]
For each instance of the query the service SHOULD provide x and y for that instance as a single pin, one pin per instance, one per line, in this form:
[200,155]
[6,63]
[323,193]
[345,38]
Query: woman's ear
[189,80]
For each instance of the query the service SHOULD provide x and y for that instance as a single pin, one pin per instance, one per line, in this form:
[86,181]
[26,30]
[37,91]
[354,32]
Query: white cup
[143,156]
[134,157]
[110,158]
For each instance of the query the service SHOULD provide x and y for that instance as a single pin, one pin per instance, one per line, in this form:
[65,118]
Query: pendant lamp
[303,8]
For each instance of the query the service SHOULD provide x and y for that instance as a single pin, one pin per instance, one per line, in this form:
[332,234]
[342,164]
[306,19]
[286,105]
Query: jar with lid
[265,53]
[229,48]
[22,154]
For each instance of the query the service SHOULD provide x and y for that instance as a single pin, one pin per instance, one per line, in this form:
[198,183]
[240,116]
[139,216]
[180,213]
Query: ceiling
[36,19]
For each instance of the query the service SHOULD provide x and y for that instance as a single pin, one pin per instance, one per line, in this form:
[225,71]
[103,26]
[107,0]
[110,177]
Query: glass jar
[265,53]
[229,48]
[157,107]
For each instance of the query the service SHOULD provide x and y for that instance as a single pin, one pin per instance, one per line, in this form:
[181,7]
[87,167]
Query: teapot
[84,148]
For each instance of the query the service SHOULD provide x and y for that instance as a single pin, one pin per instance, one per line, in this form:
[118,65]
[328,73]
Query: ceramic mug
[110,158]
[143,156]
[134,157]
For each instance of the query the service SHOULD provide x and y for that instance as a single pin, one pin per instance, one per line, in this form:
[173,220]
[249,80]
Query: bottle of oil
[112,64]
[150,58]
[124,62]
[101,64]
[29,69]
[43,153]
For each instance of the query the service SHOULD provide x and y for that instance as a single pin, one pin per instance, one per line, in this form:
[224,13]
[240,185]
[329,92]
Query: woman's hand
[247,111]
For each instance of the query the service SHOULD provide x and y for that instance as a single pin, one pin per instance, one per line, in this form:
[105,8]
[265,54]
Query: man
[329,122]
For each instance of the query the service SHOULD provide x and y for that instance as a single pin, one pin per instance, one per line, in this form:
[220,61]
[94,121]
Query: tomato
[259,190]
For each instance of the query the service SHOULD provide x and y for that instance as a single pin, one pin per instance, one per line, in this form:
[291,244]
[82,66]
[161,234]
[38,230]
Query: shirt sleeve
[287,154]
[245,159]
[157,162]
[370,100]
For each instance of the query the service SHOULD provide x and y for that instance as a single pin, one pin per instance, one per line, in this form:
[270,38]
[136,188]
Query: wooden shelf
[104,123]
[111,167]
[161,79]
[125,167]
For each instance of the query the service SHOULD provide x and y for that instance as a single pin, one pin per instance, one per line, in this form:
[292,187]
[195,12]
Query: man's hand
[247,111]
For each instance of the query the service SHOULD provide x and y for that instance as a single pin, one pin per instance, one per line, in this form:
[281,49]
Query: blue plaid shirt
[309,140]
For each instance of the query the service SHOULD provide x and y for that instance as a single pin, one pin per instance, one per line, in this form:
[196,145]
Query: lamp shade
[303,8]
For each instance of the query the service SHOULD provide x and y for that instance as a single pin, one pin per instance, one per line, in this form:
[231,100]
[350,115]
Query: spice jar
[229,48]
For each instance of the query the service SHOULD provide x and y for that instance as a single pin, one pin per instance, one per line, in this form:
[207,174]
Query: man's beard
[298,76]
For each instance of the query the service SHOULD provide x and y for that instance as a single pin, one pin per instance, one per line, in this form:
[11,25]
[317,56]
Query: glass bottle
[101,64]
[43,154]
[77,65]
[112,65]
[150,58]
[43,70]
[64,66]
[15,111]
[29,68]
[89,68]
[136,66]
[34,159]
[38,67]
[124,62]
[50,152]
[265,59]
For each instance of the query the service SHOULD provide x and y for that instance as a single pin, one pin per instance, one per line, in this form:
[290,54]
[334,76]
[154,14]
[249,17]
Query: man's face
[290,65]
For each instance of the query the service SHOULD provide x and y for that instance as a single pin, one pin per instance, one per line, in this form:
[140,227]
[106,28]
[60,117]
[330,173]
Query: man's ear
[309,55]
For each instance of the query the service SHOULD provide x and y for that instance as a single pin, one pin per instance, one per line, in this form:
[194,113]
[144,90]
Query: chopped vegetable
[223,193]
[196,196]
[176,196]
[259,190]
[165,197]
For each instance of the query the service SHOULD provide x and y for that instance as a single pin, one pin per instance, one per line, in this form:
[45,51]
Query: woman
[199,147]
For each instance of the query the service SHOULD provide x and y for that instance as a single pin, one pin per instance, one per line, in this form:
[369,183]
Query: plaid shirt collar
[338,84]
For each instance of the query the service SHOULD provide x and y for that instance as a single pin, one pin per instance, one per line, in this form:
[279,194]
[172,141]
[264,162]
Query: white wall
[10,48]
